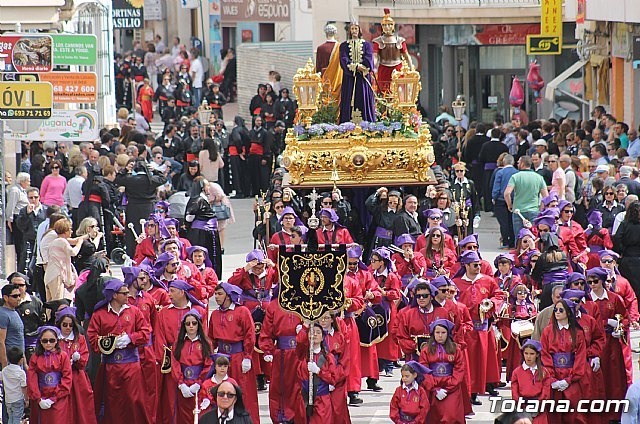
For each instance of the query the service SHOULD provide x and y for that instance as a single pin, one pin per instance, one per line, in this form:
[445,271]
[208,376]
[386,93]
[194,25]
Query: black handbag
[222,211]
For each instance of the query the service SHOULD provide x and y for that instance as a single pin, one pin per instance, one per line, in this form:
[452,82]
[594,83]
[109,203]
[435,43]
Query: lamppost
[307,86]
[458,106]
[204,113]
[405,86]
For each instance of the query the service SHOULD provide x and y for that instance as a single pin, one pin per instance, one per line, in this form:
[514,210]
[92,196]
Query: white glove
[476,224]
[616,334]
[186,393]
[595,364]
[194,388]
[562,385]
[268,358]
[123,341]
[441,394]
[298,328]
[331,388]
[555,385]
[246,365]
[205,403]
[613,323]
[75,357]
[45,403]
[313,367]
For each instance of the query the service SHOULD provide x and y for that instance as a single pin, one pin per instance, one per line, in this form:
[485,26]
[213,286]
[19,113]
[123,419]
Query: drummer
[256,279]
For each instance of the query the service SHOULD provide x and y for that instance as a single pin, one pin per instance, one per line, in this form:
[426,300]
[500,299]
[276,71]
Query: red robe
[188,272]
[160,296]
[555,340]
[43,364]
[625,291]
[81,403]
[148,248]
[120,387]
[210,280]
[145,99]
[413,322]
[322,411]
[165,333]
[483,354]
[414,403]
[467,326]
[388,348]
[285,400]
[526,384]
[596,242]
[485,268]
[438,261]
[279,238]
[368,354]
[339,235]
[145,302]
[421,243]
[416,266]
[612,359]
[447,410]
[593,384]
[191,355]
[236,326]
[352,291]
[575,242]
[337,342]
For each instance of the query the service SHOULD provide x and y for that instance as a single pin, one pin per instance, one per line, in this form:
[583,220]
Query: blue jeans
[517,222]
[15,411]
[197,96]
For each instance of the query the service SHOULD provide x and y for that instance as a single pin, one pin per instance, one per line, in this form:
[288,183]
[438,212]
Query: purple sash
[210,225]
[49,379]
[323,387]
[480,325]
[230,347]
[563,359]
[122,356]
[554,276]
[406,417]
[383,233]
[349,314]
[30,341]
[287,342]
[252,296]
[490,166]
[441,369]
[191,372]
[595,248]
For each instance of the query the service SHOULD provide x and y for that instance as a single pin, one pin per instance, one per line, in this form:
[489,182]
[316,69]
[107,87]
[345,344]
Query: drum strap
[425,322]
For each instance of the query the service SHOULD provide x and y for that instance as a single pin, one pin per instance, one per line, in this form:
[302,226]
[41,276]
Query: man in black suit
[470,155]
[406,221]
[228,407]
[28,220]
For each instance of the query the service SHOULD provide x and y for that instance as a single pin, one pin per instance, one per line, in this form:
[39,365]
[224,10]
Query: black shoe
[474,399]
[502,384]
[396,365]
[372,384]
[354,399]
[492,391]
[262,385]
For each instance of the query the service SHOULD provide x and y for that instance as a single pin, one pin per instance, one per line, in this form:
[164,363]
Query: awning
[555,83]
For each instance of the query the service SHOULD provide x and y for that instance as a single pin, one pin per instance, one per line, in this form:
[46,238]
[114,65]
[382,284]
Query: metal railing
[448,3]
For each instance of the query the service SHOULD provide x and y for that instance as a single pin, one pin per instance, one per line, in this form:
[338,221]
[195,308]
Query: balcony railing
[448,3]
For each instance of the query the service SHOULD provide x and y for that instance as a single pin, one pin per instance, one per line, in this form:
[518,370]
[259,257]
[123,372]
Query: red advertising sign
[25,53]
[506,34]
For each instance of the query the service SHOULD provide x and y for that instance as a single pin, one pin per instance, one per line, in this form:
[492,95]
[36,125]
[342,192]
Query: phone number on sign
[25,113]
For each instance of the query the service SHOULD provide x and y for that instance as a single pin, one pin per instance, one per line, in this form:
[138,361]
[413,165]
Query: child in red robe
[410,403]
[49,379]
[217,374]
[82,408]
[531,380]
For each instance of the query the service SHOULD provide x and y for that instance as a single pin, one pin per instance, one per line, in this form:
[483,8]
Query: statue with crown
[357,118]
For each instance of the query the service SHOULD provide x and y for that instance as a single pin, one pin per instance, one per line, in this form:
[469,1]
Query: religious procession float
[354,125]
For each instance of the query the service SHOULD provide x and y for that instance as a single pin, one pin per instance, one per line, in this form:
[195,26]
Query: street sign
[551,20]
[72,87]
[74,125]
[72,49]
[544,45]
[25,53]
[25,100]
[128,14]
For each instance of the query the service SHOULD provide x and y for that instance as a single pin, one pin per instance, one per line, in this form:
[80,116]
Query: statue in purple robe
[356,61]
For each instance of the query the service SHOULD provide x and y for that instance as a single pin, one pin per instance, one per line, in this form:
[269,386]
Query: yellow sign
[543,45]
[26,100]
[551,21]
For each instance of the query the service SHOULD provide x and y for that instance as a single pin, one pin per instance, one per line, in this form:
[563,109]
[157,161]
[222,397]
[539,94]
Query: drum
[373,323]
[522,328]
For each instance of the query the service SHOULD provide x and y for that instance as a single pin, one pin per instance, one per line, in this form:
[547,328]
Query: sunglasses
[34,197]
[472,247]
[20,285]
[55,167]
[279,207]
[558,310]
[190,323]
[436,235]
[327,203]
[596,281]
[606,261]
[568,211]
[611,193]
[436,218]
[459,170]
[353,263]
[66,324]
[126,293]
[15,296]
[578,283]
[49,341]
[423,296]
[226,394]
[522,292]
[475,265]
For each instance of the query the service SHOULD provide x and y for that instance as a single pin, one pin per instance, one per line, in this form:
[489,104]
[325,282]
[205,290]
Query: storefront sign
[488,35]
[153,10]
[74,125]
[72,87]
[72,49]
[551,17]
[128,14]
[25,53]
[620,40]
[543,45]
[255,10]
[25,100]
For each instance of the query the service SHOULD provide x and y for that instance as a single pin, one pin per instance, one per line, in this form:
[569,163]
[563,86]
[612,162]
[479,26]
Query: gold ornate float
[359,152]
